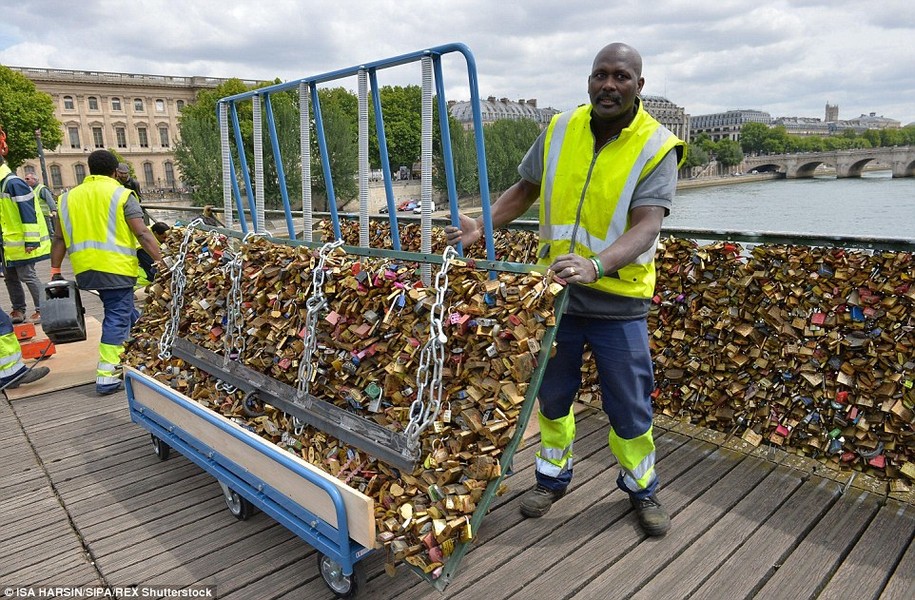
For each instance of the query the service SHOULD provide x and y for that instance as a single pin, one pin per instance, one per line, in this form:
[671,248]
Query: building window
[74,137]
[93,103]
[116,104]
[68,102]
[142,137]
[160,105]
[80,171]
[97,137]
[121,134]
[170,175]
[179,104]
[163,136]
[56,180]
[148,174]
[138,104]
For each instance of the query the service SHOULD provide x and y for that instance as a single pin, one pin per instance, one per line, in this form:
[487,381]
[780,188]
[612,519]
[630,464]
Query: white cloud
[784,57]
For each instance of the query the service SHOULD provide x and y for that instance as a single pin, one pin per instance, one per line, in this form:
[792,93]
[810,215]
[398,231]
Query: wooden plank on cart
[359,507]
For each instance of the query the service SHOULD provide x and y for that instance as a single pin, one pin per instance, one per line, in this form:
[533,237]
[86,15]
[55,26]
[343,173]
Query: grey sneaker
[537,501]
[653,519]
[28,377]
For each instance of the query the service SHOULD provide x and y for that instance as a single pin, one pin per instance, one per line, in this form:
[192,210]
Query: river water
[875,205]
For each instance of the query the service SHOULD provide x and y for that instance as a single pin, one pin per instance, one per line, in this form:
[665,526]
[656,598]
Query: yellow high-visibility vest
[585,196]
[97,235]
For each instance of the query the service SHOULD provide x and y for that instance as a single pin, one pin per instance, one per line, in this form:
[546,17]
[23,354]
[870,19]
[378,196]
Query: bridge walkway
[88,503]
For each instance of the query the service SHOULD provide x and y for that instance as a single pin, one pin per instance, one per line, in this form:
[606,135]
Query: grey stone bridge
[847,163]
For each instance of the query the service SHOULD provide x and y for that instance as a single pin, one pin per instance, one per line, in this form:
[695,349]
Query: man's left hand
[573,268]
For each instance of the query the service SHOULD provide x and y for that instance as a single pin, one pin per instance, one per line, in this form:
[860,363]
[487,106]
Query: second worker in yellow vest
[605,174]
[99,224]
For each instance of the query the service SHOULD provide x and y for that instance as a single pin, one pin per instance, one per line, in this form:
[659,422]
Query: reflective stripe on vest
[16,233]
[116,253]
[570,211]
[42,203]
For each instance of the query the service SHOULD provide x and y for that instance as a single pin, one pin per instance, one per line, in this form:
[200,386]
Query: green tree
[24,109]
[198,151]
[401,108]
[696,156]
[507,141]
[464,158]
[339,110]
[199,157]
[753,136]
[728,153]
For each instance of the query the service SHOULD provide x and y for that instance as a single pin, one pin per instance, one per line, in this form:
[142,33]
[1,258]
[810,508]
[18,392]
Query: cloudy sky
[788,58]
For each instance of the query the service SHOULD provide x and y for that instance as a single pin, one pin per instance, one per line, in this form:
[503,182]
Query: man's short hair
[159,227]
[123,168]
[102,162]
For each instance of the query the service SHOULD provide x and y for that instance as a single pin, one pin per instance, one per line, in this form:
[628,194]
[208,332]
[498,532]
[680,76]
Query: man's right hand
[469,232]
[57,277]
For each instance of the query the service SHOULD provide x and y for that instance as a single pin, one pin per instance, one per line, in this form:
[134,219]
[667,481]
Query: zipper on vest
[584,190]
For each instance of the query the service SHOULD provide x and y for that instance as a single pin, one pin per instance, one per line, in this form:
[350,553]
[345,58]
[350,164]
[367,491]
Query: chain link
[429,381]
[313,307]
[178,283]
[234,341]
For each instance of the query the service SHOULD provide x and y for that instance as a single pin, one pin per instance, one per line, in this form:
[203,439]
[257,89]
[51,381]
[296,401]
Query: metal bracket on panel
[380,442]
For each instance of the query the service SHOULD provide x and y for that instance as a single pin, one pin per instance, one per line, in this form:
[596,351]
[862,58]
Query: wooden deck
[88,503]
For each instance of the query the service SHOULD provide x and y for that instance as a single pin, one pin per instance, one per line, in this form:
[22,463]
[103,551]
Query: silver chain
[314,306]
[234,341]
[429,381]
[178,283]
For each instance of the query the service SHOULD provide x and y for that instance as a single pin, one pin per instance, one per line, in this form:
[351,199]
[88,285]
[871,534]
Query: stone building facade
[136,115]
[726,125]
[493,109]
[668,114]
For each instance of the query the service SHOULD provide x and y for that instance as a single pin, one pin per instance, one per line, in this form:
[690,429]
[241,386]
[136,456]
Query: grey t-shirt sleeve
[132,208]
[659,187]
[531,167]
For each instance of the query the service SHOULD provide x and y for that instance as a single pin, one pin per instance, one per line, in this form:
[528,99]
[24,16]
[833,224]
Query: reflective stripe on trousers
[554,459]
[636,458]
[109,359]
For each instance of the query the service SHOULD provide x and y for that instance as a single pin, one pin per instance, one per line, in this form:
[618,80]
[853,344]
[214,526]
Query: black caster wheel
[344,586]
[161,449]
[251,406]
[240,508]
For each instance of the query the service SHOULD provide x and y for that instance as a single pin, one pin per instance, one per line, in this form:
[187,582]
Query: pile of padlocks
[805,348]
[251,299]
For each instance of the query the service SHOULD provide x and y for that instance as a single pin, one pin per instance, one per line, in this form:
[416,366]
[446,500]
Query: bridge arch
[904,169]
[805,170]
[855,169]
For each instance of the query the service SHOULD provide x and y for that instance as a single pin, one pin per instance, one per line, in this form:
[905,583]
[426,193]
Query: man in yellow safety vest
[99,223]
[605,174]
[25,242]
[45,199]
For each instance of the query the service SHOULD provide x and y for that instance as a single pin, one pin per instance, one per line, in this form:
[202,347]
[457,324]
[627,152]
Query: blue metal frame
[333,542]
[435,53]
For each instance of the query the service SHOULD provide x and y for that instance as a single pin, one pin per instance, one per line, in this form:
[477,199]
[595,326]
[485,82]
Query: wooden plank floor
[88,503]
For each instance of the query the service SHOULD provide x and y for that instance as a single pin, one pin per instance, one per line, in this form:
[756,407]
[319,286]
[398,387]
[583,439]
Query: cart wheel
[161,448]
[240,508]
[344,586]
